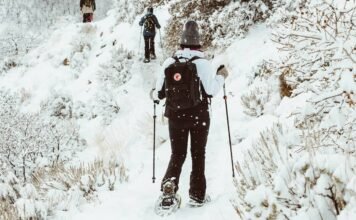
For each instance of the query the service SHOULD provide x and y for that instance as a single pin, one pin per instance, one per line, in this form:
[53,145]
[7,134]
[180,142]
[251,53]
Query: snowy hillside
[76,117]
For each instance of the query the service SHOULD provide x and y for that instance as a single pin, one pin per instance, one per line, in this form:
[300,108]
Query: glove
[155,100]
[222,71]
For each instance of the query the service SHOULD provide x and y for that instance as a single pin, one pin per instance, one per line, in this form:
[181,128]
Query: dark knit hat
[190,36]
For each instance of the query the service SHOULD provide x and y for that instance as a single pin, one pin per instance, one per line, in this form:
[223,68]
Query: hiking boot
[146,60]
[195,202]
[169,201]
[169,188]
[153,56]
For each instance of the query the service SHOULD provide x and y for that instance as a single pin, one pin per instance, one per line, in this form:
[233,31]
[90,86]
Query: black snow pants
[87,17]
[178,132]
[149,46]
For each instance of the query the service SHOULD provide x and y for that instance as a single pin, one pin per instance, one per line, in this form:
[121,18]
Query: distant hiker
[149,22]
[87,7]
[187,82]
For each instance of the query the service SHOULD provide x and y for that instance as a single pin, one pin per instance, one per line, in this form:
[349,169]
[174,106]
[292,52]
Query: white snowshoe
[195,203]
[146,60]
[169,202]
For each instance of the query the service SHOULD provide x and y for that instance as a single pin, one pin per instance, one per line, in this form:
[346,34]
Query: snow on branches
[29,140]
[304,167]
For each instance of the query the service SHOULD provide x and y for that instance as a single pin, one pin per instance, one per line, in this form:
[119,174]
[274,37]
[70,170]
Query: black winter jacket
[92,1]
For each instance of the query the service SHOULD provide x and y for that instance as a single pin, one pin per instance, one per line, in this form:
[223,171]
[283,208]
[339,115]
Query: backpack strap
[194,58]
[177,59]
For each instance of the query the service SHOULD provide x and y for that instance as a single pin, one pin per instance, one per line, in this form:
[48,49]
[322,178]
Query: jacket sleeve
[81,3]
[142,20]
[156,22]
[212,83]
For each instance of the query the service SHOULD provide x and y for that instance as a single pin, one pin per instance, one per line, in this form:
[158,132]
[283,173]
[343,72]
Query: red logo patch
[177,77]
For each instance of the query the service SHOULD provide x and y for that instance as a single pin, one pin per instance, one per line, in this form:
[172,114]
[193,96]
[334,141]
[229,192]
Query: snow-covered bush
[261,97]
[319,40]
[15,43]
[8,195]
[106,106]
[116,71]
[304,167]
[8,64]
[255,98]
[59,106]
[56,188]
[297,173]
[30,140]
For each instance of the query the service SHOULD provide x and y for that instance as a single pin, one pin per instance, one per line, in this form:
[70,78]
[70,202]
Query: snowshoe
[169,202]
[146,60]
[153,57]
[195,202]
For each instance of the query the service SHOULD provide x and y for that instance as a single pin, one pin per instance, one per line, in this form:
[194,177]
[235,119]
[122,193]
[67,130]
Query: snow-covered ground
[77,61]
[130,135]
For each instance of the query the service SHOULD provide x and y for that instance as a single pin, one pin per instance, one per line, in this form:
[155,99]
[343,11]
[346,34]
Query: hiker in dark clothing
[87,7]
[193,121]
[149,23]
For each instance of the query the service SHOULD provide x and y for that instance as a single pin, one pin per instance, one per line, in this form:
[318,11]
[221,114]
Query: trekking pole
[154,134]
[228,129]
[139,44]
[154,140]
[160,39]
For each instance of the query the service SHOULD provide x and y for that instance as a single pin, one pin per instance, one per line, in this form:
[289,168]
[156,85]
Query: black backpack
[182,85]
[150,24]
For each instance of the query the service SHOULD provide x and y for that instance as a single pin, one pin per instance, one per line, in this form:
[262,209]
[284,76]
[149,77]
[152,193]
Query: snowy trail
[136,198]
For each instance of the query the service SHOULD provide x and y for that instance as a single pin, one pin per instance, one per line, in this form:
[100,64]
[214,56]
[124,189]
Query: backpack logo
[177,77]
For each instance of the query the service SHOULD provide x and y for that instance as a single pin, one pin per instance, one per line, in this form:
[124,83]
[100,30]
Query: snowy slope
[81,60]
[129,137]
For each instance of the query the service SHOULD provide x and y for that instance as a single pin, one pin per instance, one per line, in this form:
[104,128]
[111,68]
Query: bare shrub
[7,210]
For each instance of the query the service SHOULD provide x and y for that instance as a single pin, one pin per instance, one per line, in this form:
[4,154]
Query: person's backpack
[182,85]
[150,24]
